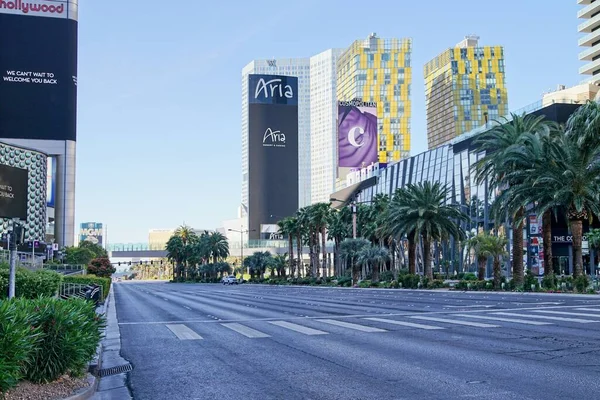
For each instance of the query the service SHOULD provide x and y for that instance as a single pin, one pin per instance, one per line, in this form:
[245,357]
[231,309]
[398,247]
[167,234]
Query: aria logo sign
[273,138]
[273,88]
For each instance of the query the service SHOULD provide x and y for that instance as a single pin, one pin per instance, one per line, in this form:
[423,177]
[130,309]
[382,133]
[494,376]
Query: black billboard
[13,192]
[38,70]
[272,149]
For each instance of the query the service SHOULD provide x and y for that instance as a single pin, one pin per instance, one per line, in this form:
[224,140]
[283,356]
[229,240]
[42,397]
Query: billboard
[51,182]
[357,134]
[272,149]
[38,69]
[91,232]
[13,192]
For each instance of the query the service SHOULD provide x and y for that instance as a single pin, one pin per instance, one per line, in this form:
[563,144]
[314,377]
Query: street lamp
[241,232]
[353,204]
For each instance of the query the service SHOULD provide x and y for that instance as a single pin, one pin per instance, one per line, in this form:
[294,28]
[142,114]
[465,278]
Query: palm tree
[258,263]
[176,254]
[350,249]
[287,228]
[279,263]
[497,168]
[186,233]
[421,211]
[474,243]
[373,256]
[320,218]
[573,176]
[339,229]
[218,246]
[495,247]
[594,243]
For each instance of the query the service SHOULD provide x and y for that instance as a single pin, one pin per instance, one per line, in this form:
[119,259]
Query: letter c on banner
[352,136]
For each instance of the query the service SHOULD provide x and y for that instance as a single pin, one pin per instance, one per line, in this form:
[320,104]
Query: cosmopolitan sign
[40,8]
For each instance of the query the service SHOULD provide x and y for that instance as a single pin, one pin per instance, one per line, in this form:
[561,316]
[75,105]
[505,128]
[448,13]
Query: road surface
[189,341]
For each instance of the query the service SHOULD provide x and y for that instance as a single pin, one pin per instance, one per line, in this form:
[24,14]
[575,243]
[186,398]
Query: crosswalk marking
[579,321]
[246,331]
[567,313]
[517,321]
[456,322]
[589,309]
[298,328]
[183,332]
[402,323]
[348,325]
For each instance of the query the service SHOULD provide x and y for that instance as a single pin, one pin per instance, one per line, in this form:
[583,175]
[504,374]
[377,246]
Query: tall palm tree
[218,246]
[495,247]
[186,233]
[320,218]
[421,210]
[373,256]
[287,228]
[350,249]
[176,254]
[573,176]
[502,140]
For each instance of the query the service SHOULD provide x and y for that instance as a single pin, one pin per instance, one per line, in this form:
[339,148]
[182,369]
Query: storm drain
[114,370]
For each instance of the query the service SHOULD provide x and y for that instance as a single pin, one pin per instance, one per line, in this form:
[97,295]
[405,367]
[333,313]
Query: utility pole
[12,247]
[354,219]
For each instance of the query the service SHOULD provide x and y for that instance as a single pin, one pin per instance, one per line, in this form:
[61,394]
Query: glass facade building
[464,88]
[379,70]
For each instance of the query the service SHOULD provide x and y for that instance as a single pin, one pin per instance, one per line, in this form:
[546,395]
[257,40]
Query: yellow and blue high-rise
[464,88]
[379,70]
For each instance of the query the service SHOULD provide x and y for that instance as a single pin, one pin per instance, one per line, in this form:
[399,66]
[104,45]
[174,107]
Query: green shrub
[470,277]
[581,283]
[386,276]
[395,284]
[411,281]
[18,339]
[89,280]
[364,284]
[530,280]
[69,335]
[436,284]
[549,281]
[344,281]
[30,284]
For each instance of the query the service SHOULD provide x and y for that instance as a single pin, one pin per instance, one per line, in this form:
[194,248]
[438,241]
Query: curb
[435,290]
[85,393]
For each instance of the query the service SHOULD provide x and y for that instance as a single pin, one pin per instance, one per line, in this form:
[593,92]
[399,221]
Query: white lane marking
[402,323]
[246,331]
[183,332]
[298,328]
[186,307]
[568,313]
[450,321]
[475,306]
[579,321]
[165,299]
[517,321]
[589,309]
[348,325]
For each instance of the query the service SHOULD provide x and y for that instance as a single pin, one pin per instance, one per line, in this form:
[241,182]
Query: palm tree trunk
[299,247]
[427,271]
[355,271]
[517,262]
[497,274]
[376,267]
[324,250]
[577,232]
[291,251]
[337,262]
[412,255]
[482,264]
[547,245]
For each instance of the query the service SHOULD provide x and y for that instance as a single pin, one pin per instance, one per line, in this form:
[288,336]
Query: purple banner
[357,140]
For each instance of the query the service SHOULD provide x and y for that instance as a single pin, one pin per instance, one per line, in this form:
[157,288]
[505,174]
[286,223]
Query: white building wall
[323,124]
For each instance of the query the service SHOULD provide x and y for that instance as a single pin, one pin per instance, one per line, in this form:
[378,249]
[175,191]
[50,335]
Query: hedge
[90,279]
[43,339]
[30,284]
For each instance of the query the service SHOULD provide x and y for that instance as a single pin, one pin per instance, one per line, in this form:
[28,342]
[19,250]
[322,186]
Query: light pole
[353,204]
[241,232]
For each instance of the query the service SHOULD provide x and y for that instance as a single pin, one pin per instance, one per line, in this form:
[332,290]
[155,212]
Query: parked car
[230,280]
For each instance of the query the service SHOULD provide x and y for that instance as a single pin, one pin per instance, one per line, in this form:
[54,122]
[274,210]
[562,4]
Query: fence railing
[80,291]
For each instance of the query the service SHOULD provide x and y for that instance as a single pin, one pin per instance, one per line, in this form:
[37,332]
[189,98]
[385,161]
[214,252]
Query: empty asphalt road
[259,342]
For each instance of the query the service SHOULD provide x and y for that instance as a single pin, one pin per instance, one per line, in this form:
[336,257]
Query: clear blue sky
[159,136]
